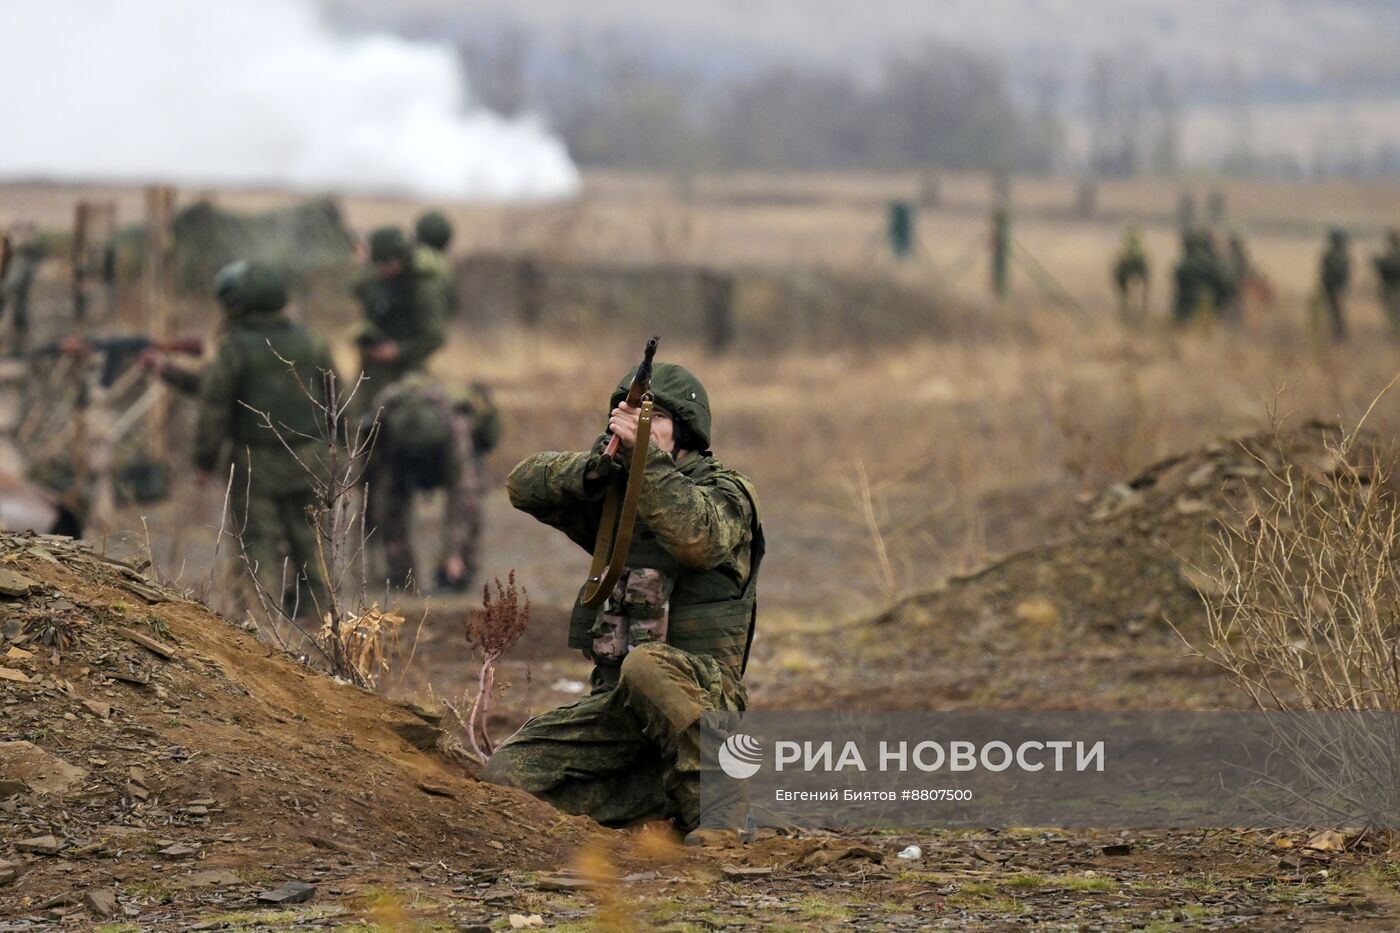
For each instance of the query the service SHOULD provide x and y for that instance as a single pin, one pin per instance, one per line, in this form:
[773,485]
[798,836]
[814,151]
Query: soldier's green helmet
[244,287]
[678,391]
[387,244]
[433,229]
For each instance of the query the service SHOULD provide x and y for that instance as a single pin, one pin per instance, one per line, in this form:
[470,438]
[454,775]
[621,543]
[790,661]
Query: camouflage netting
[306,240]
[1143,554]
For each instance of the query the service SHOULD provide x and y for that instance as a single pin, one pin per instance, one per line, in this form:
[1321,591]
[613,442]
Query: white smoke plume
[252,92]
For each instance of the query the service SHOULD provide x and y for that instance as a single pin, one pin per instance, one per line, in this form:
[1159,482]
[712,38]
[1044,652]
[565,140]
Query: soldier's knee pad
[642,662]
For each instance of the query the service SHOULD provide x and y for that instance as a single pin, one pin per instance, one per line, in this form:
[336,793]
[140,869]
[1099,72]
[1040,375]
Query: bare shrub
[335,469]
[1306,611]
[1305,617]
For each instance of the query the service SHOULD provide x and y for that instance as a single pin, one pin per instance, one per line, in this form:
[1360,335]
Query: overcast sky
[1305,41]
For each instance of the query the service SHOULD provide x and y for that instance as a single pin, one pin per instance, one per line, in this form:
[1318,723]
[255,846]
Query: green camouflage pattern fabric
[628,751]
[395,473]
[271,490]
[437,268]
[1199,279]
[408,309]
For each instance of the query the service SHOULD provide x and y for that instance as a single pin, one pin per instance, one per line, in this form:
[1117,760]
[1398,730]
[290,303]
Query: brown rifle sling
[620,512]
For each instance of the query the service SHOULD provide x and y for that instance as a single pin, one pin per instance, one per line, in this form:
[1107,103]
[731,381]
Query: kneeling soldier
[671,642]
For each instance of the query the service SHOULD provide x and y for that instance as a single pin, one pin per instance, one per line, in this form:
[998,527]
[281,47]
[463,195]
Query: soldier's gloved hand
[151,360]
[385,352]
[597,467]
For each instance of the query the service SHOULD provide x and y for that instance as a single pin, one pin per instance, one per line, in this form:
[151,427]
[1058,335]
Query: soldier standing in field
[671,642]
[1130,277]
[1387,265]
[1239,274]
[425,441]
[433,233]
[259,404]
[1190,278]
[405,314]
[1334,276]
[26,254]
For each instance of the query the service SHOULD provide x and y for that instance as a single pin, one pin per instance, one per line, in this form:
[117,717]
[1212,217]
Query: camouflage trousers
[629,752]
[270,519]
[391,515]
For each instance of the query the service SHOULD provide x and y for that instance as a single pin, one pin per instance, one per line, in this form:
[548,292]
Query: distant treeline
[942,106]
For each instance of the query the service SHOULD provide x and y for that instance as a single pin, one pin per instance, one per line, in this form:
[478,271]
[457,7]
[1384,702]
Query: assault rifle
[619,516]
[117,352]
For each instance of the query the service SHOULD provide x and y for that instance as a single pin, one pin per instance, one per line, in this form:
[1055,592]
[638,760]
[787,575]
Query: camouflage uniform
[403,305]
[271,489]
[434,233]
[1130,276]
[1388,273]
[1334,275]
[1199,278]
[16,287]
[427,440]
[629,750]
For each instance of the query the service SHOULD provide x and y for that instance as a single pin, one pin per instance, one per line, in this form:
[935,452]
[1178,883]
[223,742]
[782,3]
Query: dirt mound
[1080,622]
[1143,552]
[153,753]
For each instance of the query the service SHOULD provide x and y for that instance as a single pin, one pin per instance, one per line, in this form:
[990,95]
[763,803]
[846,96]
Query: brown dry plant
[1305,617]
[493,631]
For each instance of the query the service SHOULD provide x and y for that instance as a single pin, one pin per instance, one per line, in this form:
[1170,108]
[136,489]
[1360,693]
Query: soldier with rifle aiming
[666,616]
[260,404]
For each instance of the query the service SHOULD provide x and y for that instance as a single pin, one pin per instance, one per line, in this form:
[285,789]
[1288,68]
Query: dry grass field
[885,466]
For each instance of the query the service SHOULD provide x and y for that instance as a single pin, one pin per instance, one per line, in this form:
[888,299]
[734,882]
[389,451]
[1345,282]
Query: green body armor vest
[711,613]
[268,385]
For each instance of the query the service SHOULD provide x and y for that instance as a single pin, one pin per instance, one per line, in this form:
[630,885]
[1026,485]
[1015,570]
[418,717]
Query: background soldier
[428,441]
[405,313]
[685,611]
[1192,277]
[1388,272]
[1239,274]
[27,252]
[1334,275]
[1130,277]
[433,233]
[263,370]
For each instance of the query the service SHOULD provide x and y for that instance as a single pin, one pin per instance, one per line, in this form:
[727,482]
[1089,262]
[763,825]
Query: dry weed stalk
[363,637]
[493,632]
